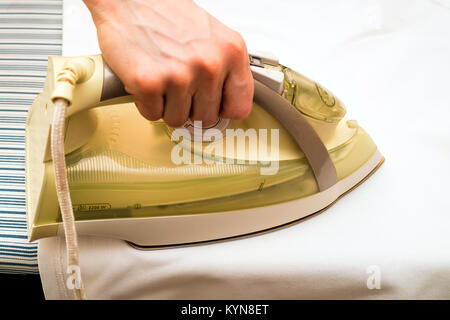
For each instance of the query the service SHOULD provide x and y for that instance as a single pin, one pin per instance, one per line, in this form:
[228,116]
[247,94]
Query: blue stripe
[33,92]
[25,21]
[18,129]
[24,250]
[18,271]
[31,28]
[24,76]
[31,5]
[22,59]
[13,222]
[12,202]
[15,254]
[29,44]
[19,254]
[13,228]
[18,264]
[21,246]
[13,236]
[31,51]
[35,13]
[8,101]
[11,148]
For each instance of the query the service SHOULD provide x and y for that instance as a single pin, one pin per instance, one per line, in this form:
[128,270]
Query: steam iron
[125,184]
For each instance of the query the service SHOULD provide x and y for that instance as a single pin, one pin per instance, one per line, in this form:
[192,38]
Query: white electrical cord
[65,203]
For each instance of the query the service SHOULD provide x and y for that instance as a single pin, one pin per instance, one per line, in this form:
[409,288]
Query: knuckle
[181,79]
[236,113]
[147,83]
[153,117]
[235,46]
[245,111]
[213,68]
[240,107]
[148,113]
[174,122]
[208,121]
[208,115]
[209,66]
[239,111]
[196,116]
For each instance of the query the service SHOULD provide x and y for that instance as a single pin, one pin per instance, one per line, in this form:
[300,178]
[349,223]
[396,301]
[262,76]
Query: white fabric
[389,62]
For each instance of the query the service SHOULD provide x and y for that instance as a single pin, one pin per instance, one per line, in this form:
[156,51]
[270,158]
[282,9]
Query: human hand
[177,60]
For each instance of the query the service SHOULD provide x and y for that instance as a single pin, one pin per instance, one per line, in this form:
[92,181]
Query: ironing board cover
[29,32]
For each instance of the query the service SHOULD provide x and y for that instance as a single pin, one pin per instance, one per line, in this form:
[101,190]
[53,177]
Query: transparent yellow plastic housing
[124,169]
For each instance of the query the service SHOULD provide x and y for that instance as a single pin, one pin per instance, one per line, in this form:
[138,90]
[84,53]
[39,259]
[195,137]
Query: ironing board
[388,61]
[29,32]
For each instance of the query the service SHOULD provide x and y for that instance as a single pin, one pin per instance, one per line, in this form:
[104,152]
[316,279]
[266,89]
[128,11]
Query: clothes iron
[124,181]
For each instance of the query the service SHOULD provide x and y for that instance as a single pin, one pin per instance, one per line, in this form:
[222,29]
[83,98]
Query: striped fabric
[29,32]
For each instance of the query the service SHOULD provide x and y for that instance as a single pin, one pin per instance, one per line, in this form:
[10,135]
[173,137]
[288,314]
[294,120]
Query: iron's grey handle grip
[112,86]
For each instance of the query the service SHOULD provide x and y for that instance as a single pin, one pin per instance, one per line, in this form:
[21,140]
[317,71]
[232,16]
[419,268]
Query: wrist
[95,3]
[100,8]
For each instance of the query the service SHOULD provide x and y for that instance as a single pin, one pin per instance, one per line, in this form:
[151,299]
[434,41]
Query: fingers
[183,92]
[237,99]
[207,98]
[149,95]
[206,105]
[164,93]
[151,108]
[190,74]
[178,103]
[205,86]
